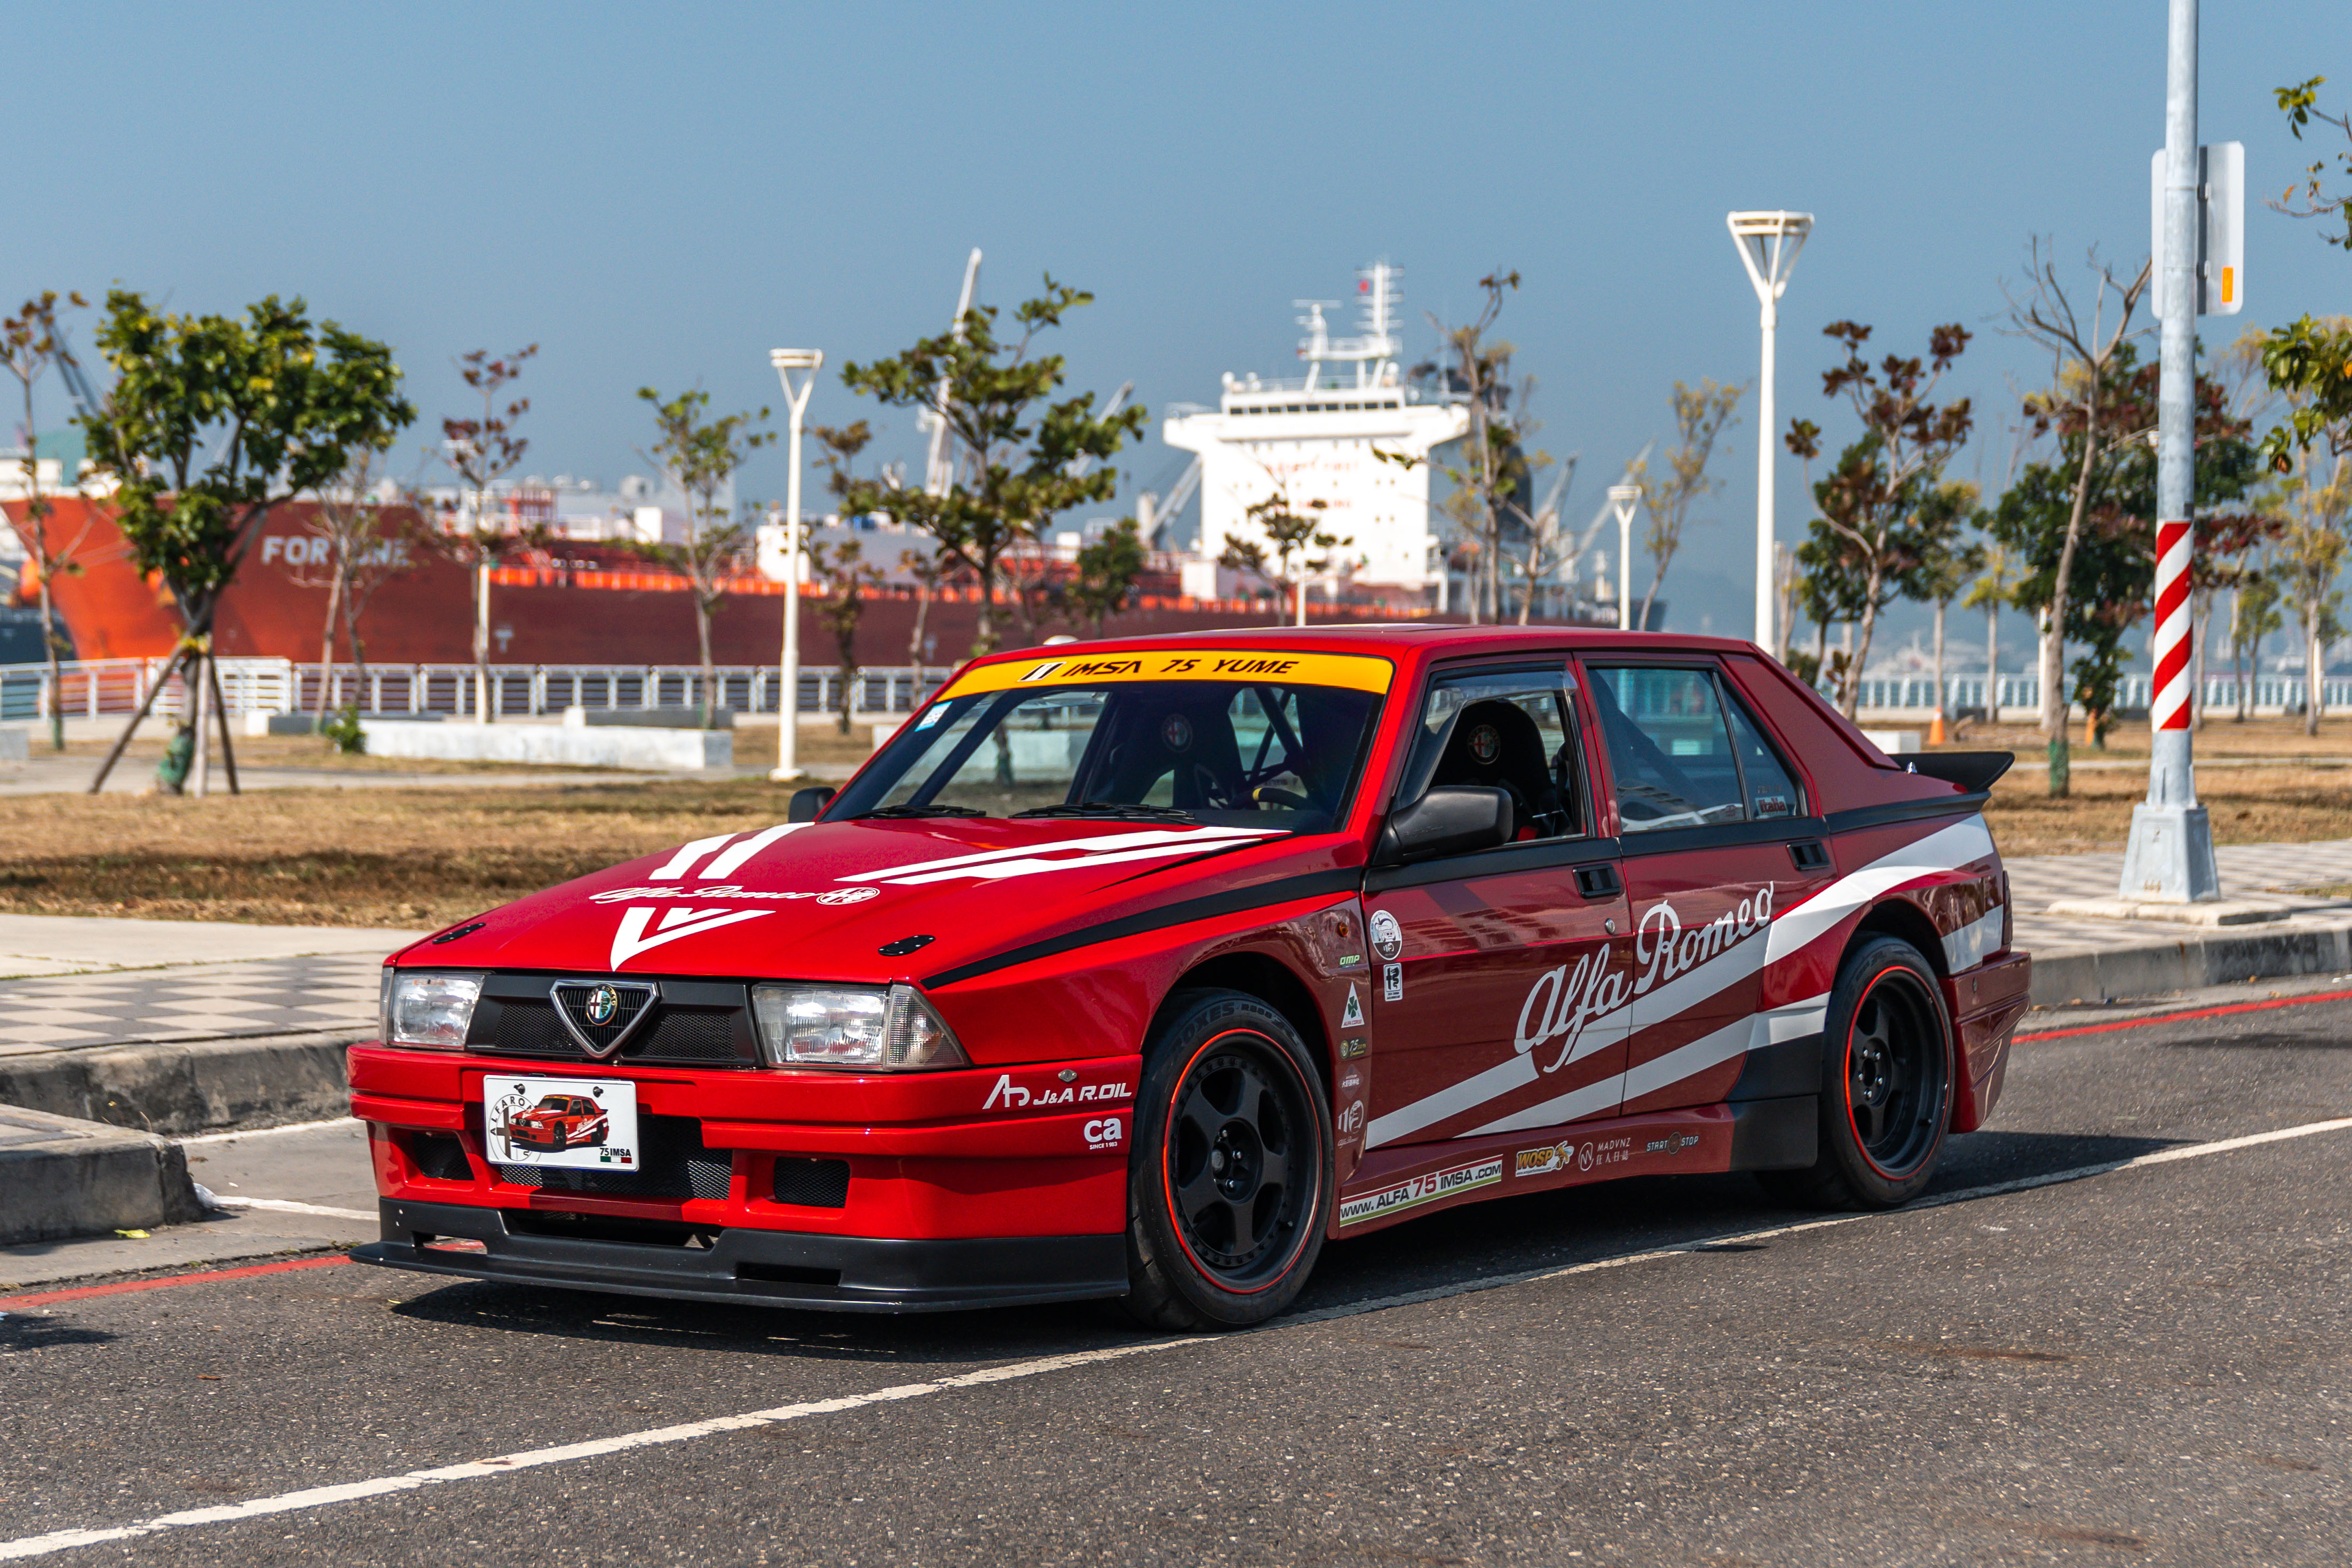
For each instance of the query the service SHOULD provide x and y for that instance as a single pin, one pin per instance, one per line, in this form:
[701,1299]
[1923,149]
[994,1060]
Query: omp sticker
[1356,671]
[1420,1190]
[1071,853]
[634,937]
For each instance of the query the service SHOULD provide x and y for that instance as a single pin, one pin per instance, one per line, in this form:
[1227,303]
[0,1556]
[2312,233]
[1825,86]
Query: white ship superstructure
[1314,438]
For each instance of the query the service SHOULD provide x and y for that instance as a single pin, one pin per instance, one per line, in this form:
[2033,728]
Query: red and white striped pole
[2170,856]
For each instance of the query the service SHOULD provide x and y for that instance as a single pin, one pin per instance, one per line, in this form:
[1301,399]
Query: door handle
[1597,881]
[1809,855]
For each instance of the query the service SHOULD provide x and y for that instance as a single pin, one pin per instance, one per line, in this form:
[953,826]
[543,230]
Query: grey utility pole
[2170,856]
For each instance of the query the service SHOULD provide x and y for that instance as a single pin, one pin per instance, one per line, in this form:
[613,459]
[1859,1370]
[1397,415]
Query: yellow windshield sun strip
[1357,672]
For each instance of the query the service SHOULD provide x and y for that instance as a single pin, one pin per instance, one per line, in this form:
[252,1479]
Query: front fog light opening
[431,1010]
[866,1028]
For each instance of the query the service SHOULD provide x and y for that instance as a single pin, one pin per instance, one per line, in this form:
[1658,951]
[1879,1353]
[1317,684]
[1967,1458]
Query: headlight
[853,1027]
[429,1009]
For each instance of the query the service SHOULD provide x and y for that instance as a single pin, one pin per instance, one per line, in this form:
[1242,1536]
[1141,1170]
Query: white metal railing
[2272,694]
[97,688]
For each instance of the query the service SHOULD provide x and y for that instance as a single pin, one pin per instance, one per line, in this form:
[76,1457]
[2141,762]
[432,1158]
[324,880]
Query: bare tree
[29,344]
[364,552]
[1701,415]
[482,452]
[702,455]
[2080,400]
[1282,562]
[928,569]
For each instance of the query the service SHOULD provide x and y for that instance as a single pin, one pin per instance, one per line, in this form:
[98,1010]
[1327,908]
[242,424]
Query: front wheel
[1230,1176]
[1886,1085]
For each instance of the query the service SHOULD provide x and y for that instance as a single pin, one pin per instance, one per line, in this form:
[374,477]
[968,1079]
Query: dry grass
[2221,738]
[426,856]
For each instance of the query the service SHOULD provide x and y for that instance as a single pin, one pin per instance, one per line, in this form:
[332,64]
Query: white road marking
[269,1131]
[288,1206]
[57,1541]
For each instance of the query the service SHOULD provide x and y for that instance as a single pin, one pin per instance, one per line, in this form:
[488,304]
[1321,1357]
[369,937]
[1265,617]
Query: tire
[1886,1085]
[1230,1176]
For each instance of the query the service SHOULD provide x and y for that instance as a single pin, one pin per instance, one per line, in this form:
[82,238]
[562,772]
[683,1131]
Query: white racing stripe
[1948,849]
[56,1541]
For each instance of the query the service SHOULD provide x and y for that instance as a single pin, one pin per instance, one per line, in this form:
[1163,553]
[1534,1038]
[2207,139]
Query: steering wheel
[1268,795]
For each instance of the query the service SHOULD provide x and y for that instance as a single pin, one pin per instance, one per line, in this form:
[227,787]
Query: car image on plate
[559,1121]
[1146,968]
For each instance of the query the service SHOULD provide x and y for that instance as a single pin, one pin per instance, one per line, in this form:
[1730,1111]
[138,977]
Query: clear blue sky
[660,194]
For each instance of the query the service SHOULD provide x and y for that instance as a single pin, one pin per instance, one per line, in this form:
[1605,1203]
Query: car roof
[1406,641]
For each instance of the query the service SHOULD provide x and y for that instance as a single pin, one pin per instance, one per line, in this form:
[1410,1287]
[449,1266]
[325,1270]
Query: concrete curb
[62,1177]
[2225,956]
[187,1087]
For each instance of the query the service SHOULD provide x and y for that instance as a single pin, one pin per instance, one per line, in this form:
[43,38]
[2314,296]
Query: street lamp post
[1624,500]
[1768,243]
[808,361]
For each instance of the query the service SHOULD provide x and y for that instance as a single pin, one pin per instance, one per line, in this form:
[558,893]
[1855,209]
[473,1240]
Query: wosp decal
[1107,1132]
[638,933]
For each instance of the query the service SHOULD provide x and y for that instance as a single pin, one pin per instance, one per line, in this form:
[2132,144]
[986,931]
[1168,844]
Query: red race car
[560,1122]
[1144,968]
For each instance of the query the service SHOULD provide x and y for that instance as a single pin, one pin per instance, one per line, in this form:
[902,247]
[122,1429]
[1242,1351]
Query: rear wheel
[1230,1177]
[1886,1085]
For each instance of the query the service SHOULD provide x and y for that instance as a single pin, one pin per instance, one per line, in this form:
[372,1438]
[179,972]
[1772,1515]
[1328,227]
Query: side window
[1684,753]
[1508,729]
[1773,791]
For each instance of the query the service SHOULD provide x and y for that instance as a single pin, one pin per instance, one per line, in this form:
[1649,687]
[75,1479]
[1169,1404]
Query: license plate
[577,1123]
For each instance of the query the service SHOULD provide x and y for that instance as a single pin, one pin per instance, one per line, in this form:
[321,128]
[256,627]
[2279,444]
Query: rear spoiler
[1974,771]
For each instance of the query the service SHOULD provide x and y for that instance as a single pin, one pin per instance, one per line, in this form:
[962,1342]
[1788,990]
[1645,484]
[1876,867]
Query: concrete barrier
[646,719]
[280,723]
[61,1177]
[554,745]
[16,745]
[2226,956]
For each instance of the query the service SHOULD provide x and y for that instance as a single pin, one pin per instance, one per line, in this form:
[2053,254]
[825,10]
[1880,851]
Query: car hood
[847,902]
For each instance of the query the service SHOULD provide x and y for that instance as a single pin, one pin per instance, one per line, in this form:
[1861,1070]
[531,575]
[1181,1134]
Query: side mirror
[1451,819]
[807,802]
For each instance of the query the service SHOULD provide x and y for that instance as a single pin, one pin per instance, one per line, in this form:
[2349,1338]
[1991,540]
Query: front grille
[695,1023]
[672,1164]
[812,1183]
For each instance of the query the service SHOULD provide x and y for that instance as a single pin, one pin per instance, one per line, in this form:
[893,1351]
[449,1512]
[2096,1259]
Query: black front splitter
[761,1268]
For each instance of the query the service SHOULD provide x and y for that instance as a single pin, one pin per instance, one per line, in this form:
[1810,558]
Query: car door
[1717,837]
[1499,974]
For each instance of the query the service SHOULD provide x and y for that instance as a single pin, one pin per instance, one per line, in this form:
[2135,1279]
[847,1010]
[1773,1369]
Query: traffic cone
[1936,728]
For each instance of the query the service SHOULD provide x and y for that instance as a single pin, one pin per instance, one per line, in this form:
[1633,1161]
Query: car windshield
[1226,753]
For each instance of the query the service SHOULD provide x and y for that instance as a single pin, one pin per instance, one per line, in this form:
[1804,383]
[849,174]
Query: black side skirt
[763,1268]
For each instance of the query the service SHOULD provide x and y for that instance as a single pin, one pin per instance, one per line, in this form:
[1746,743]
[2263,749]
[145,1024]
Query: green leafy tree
[2300,104]
[481,452]
[1287,558]
[2088,386]
[1701,416]
[1108,570]
[1020,450]
[1882,499]
[29,345]
[702,455]
[213,423]
[1948,559]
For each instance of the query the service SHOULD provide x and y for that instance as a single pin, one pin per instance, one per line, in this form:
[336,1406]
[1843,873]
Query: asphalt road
[2143,1365]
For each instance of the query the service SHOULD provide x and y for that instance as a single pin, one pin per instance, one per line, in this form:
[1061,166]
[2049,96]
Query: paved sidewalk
[190,1002]
[83,944]
[2035,882]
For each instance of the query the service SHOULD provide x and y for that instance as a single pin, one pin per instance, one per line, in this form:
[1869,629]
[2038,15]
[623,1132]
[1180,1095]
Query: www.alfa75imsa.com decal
[1419,1190]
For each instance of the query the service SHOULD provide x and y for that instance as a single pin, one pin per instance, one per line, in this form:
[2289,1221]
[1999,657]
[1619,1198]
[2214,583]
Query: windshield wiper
[922,811]
[1114,810]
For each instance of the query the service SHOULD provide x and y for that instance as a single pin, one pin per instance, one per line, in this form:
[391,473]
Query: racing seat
[1515,761]
[1190,743]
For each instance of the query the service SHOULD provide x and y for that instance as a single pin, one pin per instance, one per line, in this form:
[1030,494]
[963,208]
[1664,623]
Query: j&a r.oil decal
[1420,1190]
[1009,1096]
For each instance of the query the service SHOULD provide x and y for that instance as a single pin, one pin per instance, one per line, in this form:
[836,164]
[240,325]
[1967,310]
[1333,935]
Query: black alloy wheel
[1230,1175]
[1886,1101]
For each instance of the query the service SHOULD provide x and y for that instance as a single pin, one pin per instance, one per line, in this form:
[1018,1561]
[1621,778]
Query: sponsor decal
[1388,936]
[1105,1133]
[1420,1190]
[1350,1121]
[1391,982]
[1350,1049]
[1352,1015]
[1064,854]
[638,933]
[1350,1079]
[1349,960]
[1540,1162]
[1673,1145]
[831,897]
[1606,1152]
[1012,1097]
[1360,672]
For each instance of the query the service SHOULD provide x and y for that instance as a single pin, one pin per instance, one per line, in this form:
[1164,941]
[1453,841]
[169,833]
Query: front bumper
[766,1267]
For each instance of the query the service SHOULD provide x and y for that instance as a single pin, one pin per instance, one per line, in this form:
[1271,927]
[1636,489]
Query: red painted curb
[44,1297]
[2183,1018]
